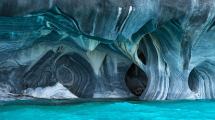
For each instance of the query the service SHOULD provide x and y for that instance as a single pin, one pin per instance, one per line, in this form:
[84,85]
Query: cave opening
[135,78]
[193,81]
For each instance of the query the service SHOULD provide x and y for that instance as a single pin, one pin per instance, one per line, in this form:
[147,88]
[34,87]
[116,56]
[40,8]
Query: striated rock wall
[158,49]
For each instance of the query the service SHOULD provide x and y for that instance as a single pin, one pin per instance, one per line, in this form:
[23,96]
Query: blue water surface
[106,109]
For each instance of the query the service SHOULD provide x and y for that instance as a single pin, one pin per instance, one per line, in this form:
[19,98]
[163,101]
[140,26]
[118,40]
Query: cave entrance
[136,79]
[194,80]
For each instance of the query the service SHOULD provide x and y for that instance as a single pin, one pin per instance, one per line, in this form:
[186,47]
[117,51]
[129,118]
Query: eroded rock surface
[93,48]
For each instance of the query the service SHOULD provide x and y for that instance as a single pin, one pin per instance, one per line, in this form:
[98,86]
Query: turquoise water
[104,109]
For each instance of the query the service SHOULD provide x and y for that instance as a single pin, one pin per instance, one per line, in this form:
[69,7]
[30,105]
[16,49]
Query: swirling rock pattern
[158,49]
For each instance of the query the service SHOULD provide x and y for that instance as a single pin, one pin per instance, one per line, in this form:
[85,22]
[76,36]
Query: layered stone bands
[158,49]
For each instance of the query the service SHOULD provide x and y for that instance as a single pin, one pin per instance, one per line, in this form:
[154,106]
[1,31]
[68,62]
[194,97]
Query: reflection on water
[130,108]
[55,102]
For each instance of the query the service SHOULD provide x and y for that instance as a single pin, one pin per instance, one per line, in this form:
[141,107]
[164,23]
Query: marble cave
[150,49]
